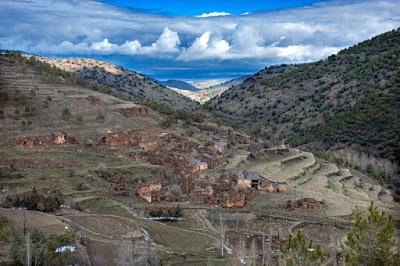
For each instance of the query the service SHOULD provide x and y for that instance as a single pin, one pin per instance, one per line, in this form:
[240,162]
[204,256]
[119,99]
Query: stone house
[233,199]
[202,195]
[242,138]
[225,130]
[197,165]
[247,179]
[148,192]
[211,160]
[58,138]
[220,146]
[206,149]
[28,141]
[273,186]
[148,145]
[254,180]
[116,139]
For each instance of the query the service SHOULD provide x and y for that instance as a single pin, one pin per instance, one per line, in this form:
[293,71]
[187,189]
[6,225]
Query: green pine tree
[300,252]
[371,241]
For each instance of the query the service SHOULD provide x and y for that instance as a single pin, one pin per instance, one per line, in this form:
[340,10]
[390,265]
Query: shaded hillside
[350,98]
[125,82]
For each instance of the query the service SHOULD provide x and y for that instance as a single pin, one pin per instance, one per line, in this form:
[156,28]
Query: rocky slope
[126,82]
[350,98]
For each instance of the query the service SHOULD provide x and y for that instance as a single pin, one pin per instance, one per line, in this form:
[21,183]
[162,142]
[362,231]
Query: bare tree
[254,252]
[28,248]
[128,254]
[221,237]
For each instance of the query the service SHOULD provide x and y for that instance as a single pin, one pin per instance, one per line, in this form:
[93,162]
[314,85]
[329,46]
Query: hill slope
[352,97]
[124,81]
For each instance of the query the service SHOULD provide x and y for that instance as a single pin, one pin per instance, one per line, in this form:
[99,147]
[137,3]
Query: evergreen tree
[300,252]
[371,241]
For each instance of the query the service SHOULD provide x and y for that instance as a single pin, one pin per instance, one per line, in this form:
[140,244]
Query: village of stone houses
[124,189]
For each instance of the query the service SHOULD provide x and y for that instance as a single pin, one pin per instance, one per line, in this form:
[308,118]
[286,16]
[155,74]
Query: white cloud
[87,27]
[205,47]
[167,43]
[214,14]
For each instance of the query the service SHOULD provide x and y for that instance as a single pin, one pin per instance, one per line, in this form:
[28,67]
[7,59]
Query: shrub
[100,117]
[66,114]
[16,113]
[32,200]
[6,229]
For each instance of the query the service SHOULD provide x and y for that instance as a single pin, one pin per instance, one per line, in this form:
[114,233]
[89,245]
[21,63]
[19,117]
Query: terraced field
[309,177]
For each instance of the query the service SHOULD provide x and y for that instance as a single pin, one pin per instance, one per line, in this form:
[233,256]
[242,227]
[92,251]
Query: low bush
[33,200]
[176,212]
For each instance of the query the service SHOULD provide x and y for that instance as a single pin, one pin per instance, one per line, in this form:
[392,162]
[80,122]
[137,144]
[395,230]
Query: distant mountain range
[178,84]
[205,90]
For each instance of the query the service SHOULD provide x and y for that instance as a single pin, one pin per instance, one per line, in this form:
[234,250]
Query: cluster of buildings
[189,163]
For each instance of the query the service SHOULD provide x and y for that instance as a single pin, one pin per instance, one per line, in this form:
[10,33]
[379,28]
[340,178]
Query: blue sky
[193,40]
[195,8]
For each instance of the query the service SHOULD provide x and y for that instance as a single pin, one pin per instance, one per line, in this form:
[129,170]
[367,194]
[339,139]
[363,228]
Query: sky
[193,40]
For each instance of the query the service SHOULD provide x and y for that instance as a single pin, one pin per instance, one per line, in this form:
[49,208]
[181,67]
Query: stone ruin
[149,193]
[224,192]
[137,110]
[304,203]
[130,138]
[56,138]
[93,100]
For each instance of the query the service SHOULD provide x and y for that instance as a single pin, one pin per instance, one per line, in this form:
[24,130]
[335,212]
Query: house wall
[148,146]
[234,201]
[58,140]
[219,149]
[146,191]
[244,183]
[283,187]
[199,167]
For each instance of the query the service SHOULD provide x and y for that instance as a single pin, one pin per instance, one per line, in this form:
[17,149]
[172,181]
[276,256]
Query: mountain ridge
[301,103]
[178,84]
[122,80]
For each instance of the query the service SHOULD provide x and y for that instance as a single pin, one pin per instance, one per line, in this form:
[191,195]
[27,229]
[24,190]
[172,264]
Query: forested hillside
[351,98]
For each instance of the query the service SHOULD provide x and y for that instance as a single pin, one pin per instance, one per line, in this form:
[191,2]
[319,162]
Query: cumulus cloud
[205,47]
[167,43]
[295,35]
[214,14]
